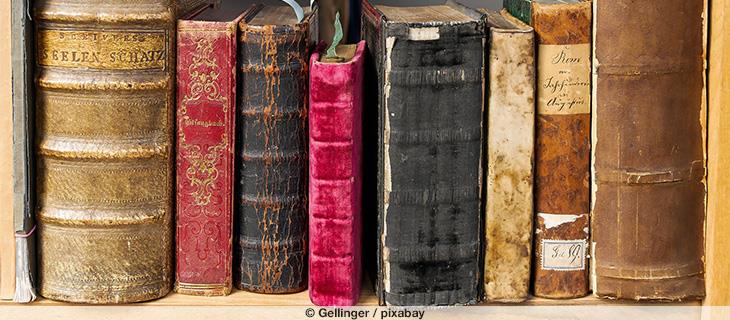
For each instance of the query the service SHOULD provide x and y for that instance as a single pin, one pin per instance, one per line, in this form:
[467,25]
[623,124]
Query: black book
[430,62]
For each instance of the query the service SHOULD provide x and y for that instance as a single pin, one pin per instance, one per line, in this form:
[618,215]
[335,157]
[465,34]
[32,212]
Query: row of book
[466,154]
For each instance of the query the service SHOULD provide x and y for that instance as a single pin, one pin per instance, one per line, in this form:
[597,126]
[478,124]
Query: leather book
[271,250]
[649,150]
[430,65]
[510,158]
[335,176]
[206,100]
[562,149]
[104,133]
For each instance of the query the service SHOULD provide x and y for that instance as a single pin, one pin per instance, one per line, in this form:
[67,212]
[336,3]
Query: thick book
[430,65]
[271,248]
[104,134]
[206,113]
[718,164]
[510,158]
[335,176]
[562,149]
[649,150]
[23,164]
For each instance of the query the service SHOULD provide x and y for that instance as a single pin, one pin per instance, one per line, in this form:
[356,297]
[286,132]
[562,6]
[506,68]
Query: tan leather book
[104,125]
[562,149]
[510,158]
[718,201]
[648,150]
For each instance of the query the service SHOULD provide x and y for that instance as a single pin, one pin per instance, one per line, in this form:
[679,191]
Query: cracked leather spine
[271,248]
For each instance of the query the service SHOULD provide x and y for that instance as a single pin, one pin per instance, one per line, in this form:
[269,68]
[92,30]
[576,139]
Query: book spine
[510,157]
[23,159]
[431,135]
[206,78]
[649,150]
[105,99]
[562,151]
[271,253]
[335,175]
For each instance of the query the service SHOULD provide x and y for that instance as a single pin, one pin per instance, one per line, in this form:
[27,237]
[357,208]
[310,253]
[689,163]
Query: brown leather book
[104,125]
[562,151]
[649,150]
[510,152]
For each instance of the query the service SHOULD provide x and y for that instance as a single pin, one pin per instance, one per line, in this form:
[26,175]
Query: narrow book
[23,154]
[104,134]
[335,176]
[510,157]
[562,149]
[271,251]
[430,65]
[649,150]
[206,111]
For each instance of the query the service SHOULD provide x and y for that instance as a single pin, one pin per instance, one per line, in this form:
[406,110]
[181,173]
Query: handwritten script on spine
[564,79]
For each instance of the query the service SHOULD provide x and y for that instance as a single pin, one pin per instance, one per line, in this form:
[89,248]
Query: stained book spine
[430,155]
[271,251]
[649,150]
[510,157]
[335,175]
[205,153]
[562,151]
[104,102]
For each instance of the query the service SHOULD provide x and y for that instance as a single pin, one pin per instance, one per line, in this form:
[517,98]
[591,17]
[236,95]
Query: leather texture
[105,110]
[649,150]
[335,177]
[206,114]
[271,250]
[510,158]
[430,80]
[562,152]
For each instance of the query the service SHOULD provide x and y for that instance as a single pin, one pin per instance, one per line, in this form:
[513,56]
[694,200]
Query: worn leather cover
[335,176]
[271,251]
[510,158]
[649,150]
[430,83]
[206,99]
[105,99]
[562,151]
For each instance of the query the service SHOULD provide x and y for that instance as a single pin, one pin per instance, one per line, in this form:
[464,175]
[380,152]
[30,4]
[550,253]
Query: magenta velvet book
[335,175]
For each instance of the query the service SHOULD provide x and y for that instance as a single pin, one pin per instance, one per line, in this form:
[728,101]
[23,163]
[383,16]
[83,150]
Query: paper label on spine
[563,255]
[104,50]
[564,79]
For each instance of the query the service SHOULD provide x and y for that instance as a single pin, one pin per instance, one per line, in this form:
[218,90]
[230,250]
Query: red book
[206,98]
[335,175]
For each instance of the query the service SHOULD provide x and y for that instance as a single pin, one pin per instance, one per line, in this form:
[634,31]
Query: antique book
[430,65]
[718,162]
[271,251]
[562,149]
[23,179]
[335,176]
[649,150]
[104,132]
[510,157]
[206,100]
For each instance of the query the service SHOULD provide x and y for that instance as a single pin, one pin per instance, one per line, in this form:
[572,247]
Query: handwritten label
[105,50]
[563,255]
[564,79]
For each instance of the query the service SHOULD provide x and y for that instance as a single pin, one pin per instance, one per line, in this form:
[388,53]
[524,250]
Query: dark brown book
[562,151]
[270,254]
[649,150]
